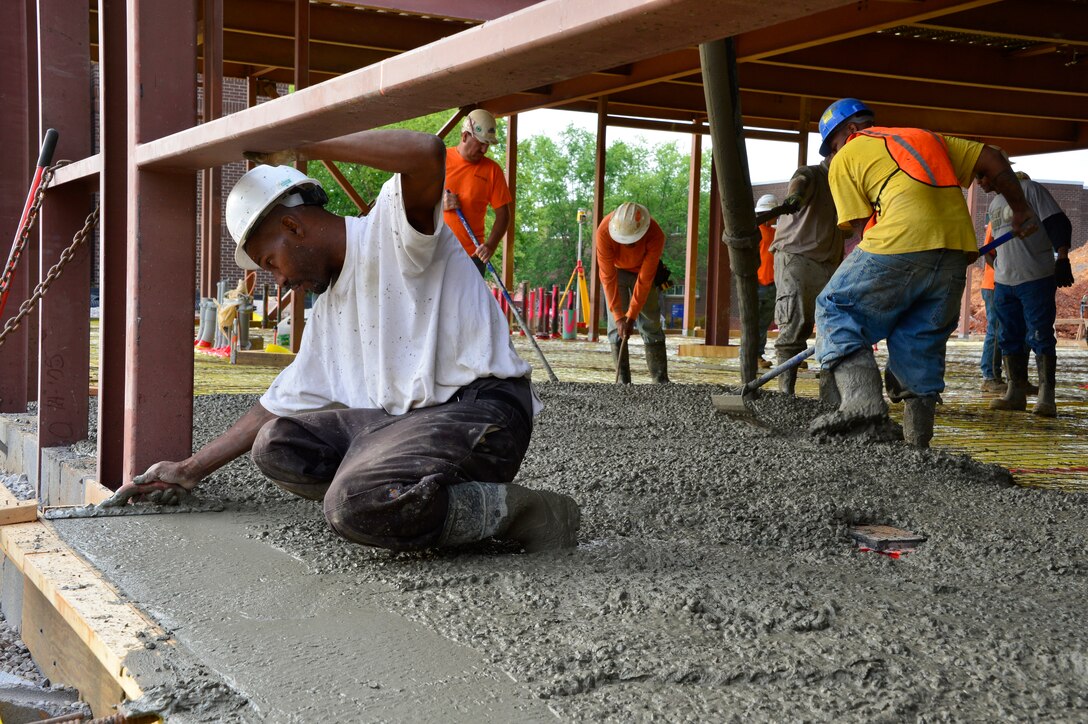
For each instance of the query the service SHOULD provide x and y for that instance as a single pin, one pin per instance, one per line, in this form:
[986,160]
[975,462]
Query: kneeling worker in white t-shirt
[407,411]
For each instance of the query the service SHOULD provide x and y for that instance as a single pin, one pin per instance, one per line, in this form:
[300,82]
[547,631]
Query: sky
[770,161]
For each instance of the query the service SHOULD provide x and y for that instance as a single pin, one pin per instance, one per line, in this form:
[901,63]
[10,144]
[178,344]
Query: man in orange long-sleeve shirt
[629,245]
[474,182]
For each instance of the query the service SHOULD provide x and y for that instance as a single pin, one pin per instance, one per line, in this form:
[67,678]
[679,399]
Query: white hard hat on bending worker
[629,244]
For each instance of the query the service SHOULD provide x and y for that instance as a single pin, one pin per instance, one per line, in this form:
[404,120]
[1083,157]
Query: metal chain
[32,214]
[66,256]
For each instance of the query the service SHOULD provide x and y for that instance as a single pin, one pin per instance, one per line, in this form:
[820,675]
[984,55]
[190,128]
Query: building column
[691,261]
[211,199]
[594,315]
[512,182]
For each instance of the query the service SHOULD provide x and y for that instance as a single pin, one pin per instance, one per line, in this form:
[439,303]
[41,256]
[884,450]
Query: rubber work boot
[918,420]
[623,363]
[861,390]
[1045,364]
[657,362]
[539,519]
[787,381]
[1016,369]
[829,393]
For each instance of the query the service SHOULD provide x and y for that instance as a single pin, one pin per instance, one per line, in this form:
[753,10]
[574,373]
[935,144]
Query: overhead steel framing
[1009,71]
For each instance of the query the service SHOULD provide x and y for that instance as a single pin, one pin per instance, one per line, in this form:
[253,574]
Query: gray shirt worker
[813,231]
[1024,260]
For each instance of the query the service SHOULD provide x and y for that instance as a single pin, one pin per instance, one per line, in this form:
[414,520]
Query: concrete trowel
[738,405]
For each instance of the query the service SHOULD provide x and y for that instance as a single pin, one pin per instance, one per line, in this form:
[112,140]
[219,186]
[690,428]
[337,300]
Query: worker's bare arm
[498,229]
[419,158]
[236,441]
[993,165]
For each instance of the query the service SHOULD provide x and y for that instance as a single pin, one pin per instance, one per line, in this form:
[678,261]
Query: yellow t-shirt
[913,216]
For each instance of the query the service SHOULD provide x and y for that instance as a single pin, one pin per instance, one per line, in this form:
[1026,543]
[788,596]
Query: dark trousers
[383,477]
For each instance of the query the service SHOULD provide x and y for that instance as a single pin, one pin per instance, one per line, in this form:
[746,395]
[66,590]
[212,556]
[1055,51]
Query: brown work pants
[383,477]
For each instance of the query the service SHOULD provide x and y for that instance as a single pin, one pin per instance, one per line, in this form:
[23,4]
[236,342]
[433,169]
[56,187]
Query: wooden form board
[13,510]
[77,627]
[266,359]
[708,350]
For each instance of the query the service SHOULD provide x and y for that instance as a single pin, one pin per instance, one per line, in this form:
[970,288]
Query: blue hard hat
[836,114]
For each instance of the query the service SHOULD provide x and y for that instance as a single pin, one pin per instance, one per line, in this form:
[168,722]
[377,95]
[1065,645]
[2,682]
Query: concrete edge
[75,624]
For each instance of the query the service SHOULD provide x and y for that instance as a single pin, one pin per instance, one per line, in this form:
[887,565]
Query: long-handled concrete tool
[619,358]
[49,144]
[509,299]
[737,405]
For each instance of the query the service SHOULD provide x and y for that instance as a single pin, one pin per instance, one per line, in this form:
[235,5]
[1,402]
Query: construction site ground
[714,581]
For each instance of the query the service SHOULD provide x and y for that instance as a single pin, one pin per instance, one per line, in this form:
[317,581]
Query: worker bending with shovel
[407,411]
[629,244]
[900,187]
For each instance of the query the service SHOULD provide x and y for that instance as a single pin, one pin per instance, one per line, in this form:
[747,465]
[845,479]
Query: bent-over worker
[407,411]
[629,244]
[900,187]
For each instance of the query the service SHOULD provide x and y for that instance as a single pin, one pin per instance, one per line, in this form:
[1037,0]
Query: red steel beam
[302,80]
[691,261]
[593,314]
[718,273]
[32,262]
[512,182]
[465,9]
[542,44]
[15,164]
[112,262]
[211,213]
[1038,21]
[64,313]
[887,56]
[161,99]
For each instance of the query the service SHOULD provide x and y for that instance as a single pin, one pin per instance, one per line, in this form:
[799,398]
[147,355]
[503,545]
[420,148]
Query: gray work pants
[649,319]
[799,281]
[383,477]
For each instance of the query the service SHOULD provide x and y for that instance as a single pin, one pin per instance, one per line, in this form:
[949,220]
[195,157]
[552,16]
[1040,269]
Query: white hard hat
[766,202]
[256,193]
[481,125]
[629,222]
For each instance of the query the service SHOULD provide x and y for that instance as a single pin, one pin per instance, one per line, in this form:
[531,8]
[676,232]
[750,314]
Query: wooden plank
[264,359]
[77,627]
[94,492]
[13,510]
[61,655]
[709,350]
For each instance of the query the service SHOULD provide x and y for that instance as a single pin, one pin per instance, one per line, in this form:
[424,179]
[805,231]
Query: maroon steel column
[965,302]
[512,182]
[691,262]
[15,166]
[161,99]
[211,216]
[718,274]
[32,253]
[302,79]
[112,262]
[598,214]
[64,314]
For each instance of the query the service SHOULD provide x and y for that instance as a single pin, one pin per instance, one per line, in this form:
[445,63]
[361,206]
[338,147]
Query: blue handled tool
[509,299]
[995,243]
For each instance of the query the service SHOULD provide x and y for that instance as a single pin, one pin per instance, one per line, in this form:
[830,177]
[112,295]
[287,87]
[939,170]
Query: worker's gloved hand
[486,251]
[625,327]
[1024,223]
[273,158]
[164,483]
[450,201]
[1063,272]
[793,203]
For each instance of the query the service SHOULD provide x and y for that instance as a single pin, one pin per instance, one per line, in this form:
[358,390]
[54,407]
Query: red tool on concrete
[45,157]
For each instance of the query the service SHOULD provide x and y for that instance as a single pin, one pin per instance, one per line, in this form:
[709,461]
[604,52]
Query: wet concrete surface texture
[714,581]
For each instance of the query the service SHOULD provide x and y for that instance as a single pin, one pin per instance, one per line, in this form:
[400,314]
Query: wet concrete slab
[300,646]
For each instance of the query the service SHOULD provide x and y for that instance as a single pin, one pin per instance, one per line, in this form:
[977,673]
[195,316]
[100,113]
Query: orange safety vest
[920,154]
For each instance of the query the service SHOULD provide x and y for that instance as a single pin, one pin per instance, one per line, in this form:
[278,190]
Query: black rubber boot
[657,362]
[539,520]
[1045,406]
[787,381]
[918,420]
[829,393]
[624,362]
[861,390]
[1016,396]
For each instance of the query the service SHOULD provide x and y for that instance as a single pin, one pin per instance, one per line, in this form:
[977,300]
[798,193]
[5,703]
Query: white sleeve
[1041,202]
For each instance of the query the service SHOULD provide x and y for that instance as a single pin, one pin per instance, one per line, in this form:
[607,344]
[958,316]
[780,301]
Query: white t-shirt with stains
[407,323]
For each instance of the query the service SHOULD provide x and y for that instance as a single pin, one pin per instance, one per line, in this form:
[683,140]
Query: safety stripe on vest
[911,150]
